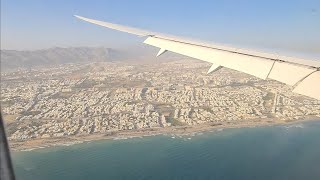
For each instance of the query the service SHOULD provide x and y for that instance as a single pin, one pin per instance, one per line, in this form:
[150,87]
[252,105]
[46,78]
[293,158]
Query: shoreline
[34,144]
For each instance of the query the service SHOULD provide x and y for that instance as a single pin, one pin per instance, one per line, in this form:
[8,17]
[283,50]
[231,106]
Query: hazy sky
[37,24]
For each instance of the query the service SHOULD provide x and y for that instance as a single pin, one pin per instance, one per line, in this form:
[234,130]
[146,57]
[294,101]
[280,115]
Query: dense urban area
[108,97]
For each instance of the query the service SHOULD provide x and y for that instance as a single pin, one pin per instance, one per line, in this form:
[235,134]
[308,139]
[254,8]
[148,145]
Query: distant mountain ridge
[12,59]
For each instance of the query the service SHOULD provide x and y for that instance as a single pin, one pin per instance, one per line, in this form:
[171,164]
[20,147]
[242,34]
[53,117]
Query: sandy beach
[174,131]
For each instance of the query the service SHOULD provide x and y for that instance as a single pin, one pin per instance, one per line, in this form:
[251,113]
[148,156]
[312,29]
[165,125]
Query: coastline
[35,144]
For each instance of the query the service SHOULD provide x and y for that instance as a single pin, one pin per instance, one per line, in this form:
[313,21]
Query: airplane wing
[302,74]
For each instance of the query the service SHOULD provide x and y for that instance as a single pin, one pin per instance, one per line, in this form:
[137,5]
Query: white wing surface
[302,74]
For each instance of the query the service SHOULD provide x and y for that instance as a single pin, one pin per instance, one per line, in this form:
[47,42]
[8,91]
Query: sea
[261,153]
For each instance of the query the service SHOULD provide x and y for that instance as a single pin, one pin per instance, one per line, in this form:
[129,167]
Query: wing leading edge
[303,75]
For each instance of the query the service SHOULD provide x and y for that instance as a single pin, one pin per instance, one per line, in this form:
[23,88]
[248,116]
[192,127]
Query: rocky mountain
[12,59]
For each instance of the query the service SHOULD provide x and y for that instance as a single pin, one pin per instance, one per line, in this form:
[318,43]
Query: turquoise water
[278,152]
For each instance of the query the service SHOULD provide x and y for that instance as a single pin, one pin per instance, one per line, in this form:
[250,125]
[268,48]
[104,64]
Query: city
[109,97]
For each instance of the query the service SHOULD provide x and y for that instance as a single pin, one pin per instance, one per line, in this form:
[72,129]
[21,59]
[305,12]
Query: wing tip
[79,17]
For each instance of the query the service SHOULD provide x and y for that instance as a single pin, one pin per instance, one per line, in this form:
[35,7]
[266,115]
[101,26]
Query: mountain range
[13,59]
